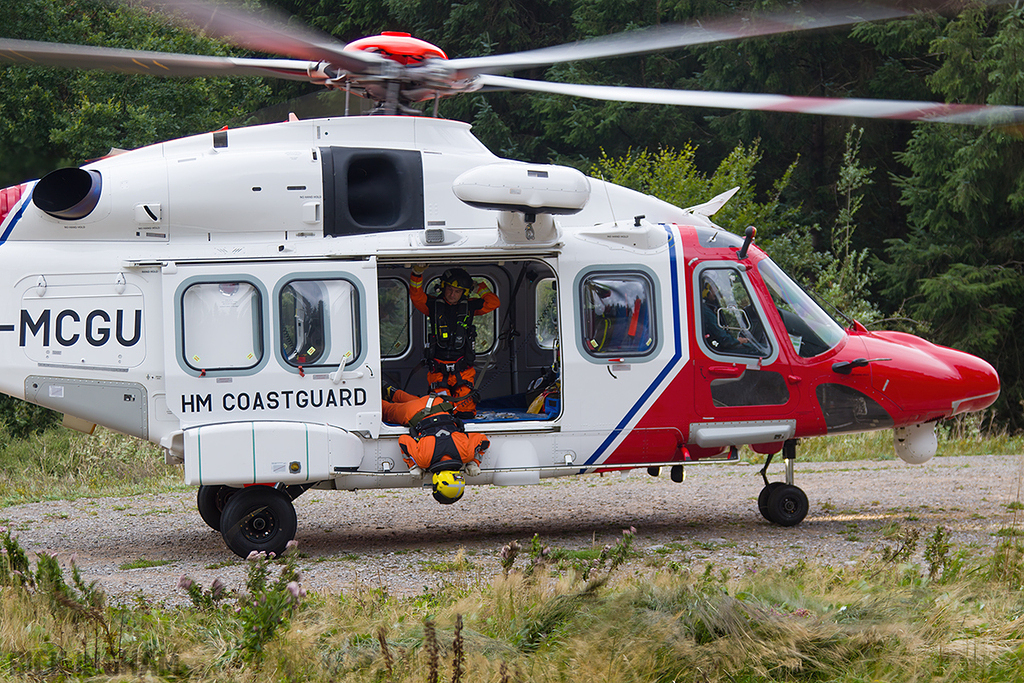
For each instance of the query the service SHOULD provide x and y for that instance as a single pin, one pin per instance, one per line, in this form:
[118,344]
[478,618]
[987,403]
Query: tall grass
[951,614]
[60,464]
[957,618]
[963,435]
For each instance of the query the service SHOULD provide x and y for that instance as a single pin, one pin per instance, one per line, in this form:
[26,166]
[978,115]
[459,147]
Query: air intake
[68,193]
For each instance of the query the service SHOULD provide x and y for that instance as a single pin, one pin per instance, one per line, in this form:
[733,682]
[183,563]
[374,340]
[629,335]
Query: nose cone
[928,381]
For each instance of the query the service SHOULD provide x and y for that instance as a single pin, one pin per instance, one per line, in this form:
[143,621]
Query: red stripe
[9,197]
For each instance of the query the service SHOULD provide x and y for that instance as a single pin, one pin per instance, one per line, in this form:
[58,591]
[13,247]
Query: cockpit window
[811,330]
[716,238]
[730,323]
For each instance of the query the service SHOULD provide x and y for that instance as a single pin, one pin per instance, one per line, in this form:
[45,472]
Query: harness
[435,407]
[452,331]
[441,426]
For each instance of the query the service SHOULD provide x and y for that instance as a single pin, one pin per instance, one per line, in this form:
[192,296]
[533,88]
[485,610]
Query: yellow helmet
[448,486]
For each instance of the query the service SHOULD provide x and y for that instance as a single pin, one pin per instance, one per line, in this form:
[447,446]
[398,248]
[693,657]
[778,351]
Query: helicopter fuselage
[238,297]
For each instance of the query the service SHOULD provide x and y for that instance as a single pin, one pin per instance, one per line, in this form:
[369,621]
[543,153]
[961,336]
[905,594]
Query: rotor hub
[398,47]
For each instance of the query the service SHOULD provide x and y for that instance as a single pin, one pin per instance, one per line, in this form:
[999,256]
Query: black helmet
[457,278]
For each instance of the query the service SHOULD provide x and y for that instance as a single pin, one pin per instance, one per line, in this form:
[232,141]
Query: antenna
[749,237]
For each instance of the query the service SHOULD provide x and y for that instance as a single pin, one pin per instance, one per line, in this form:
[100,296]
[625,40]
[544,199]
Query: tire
[258,518]
[210,500]
[762,498]
[787,505]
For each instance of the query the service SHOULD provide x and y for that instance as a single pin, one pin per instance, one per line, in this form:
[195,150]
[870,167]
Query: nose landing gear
[779,502]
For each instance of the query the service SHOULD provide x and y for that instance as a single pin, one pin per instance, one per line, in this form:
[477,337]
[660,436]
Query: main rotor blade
[969,114]
[234,25]
[150,63]
[673,36]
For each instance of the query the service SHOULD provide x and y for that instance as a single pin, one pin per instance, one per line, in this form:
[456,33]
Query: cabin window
[545,326]
[222,326]
[730,322]
[617,311]
[752,388]
[486,325]
[318,322]
[395,313]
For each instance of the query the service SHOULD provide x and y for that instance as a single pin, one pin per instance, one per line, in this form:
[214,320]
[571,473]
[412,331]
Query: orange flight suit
[450,370]
[440,442]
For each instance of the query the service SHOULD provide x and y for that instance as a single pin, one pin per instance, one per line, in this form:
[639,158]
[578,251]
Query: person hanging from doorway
[450,354]
[437,442]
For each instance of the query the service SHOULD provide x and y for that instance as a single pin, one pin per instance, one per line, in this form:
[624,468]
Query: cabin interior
[516,345]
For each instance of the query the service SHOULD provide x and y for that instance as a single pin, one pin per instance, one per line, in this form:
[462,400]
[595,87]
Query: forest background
[902,225]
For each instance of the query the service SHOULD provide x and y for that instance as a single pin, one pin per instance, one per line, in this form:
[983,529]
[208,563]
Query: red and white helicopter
[238,296]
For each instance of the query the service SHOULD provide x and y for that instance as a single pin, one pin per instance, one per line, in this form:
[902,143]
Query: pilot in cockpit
[716,336]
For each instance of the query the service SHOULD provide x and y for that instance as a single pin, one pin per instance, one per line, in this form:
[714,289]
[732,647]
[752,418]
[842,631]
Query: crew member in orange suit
[450,358]
[437,441]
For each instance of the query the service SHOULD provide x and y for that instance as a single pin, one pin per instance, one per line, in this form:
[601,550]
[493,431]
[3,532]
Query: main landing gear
[260,518]
[782,503]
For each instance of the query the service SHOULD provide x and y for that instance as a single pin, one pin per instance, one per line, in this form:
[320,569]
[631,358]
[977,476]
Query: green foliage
[269,605]
[845,279]
[960,269]
[20,419]
[1006,565]
[508,555]
[51,117]
[674,176]
[902,543]
[62,464]
[859,622]
[936,553]
[841,277]
[14,566]
[78,603]
[264,609]
[581,564]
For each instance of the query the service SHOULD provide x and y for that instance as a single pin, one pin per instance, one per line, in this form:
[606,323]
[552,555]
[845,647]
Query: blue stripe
[17,216]
[677,330]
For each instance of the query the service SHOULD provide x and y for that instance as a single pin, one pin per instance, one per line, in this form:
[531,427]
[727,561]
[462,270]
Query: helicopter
[240,296]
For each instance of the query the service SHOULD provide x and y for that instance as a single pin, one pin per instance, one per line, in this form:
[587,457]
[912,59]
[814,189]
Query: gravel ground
[400,539]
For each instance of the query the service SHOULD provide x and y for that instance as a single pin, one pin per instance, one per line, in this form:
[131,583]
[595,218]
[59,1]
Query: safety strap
[427,425]
[435,406]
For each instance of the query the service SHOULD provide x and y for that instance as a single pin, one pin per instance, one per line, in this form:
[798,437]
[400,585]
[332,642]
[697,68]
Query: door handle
[730,371]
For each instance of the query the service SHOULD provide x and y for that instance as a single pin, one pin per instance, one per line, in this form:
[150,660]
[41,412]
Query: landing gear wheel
[258,518]
[211,501]
[787,505]
[762,498]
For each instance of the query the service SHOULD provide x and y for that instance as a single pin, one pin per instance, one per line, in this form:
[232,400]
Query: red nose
[928,381]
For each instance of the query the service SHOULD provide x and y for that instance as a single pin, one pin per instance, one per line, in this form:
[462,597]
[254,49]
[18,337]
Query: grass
[143,563]
[952,615]
[61,464]
[945,614]
[956,437]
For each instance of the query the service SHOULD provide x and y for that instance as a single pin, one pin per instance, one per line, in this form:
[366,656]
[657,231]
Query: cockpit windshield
[811,330]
